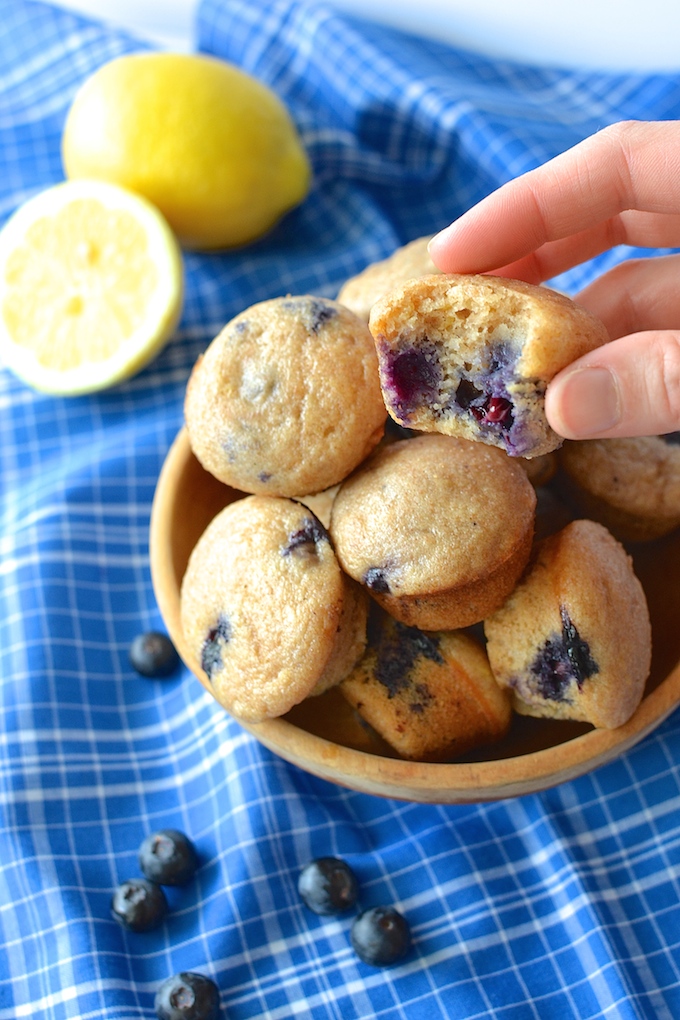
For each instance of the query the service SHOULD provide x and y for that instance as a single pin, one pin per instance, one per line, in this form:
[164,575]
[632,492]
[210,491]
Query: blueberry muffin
[438,529]
[471,356]
[573,641]
[286,399]
[321,503]
[632,486]
[540,470]
[431,696]
[266,611]
[361,292]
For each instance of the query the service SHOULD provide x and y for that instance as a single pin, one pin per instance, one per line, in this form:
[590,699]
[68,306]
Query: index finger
[629,165]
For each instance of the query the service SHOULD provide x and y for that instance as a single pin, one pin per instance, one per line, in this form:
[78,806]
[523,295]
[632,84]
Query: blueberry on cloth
[153,654]
[187,996]
[380,936]
[139,905]
[168,857]
[328,885]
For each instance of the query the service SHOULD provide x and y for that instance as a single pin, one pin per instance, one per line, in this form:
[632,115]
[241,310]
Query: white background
[626,35]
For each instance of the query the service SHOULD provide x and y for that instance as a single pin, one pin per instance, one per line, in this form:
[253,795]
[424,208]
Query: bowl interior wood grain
[323,735]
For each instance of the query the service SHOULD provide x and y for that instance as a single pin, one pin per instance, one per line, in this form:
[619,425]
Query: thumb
[629,387]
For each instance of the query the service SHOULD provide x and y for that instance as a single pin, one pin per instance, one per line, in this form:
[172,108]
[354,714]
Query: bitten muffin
[286,399]
[573,641]
[632,486]
[438,529]
[472,356]
[362,291]
[431,696]
[266,611]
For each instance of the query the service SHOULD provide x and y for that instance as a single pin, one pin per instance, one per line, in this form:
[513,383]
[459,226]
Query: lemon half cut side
[91,287]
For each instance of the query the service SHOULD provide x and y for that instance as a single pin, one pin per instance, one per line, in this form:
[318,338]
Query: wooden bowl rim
[444,783]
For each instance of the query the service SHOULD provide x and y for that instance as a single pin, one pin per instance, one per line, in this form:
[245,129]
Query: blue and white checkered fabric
[564,904]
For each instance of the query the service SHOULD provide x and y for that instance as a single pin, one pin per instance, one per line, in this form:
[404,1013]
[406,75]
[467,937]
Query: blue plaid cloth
[564,904]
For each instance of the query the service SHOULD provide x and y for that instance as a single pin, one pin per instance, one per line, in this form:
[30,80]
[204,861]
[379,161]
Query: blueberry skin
[380,936]
[168,857]
[139,905]
[328,886]
[187,996]
[153,654]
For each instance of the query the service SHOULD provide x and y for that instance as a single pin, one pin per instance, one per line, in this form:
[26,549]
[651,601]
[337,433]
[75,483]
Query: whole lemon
[210,146]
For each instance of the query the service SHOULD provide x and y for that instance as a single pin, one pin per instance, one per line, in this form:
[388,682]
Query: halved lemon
[91,287]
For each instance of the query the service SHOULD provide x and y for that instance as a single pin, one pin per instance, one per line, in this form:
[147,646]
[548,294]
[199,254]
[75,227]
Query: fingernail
[586,402]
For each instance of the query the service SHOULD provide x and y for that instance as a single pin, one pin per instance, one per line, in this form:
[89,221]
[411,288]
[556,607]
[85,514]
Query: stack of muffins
[392,539]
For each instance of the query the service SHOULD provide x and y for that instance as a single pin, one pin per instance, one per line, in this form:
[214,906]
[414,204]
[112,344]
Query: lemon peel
[91,287]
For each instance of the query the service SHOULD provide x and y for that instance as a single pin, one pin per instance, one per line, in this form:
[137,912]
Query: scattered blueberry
[139,905]
[187,996]
[328,886]
[153,654]
[672,438]
[380,936]
[168,857]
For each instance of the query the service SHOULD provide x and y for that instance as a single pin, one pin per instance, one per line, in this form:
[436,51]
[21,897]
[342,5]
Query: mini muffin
[438,529]
[632,486]
[361,292]
[321,503]
[431,696]
[573,641]
[472,356]
[540,470]
[286,399]
[266,611]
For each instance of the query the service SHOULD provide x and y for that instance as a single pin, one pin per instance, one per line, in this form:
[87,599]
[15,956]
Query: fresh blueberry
[187,996]
[153,654]
[380,936]
[328,886]
[139,905]
[168,857]
[672,438]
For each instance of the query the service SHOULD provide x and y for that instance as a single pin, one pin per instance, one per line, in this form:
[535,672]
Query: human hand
[620,186]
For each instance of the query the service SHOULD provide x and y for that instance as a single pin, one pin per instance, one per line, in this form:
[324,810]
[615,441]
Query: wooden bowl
[324,737]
